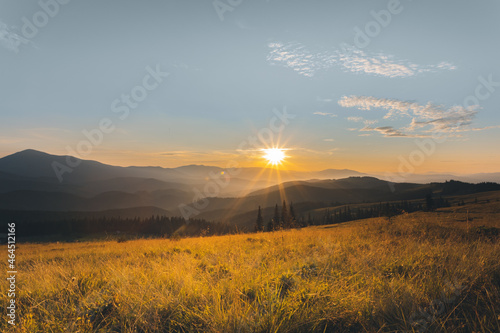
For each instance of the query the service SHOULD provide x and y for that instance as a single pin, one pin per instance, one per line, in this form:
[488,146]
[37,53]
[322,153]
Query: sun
[274,155]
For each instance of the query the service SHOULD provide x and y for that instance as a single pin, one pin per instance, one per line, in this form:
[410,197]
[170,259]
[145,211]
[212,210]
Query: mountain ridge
[37,164]
[25,185]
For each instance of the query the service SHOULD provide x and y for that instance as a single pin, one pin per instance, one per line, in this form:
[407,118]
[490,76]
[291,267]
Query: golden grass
[365,276]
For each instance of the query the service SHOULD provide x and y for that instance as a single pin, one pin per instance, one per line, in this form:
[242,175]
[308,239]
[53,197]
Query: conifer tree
[275,222]
[285,221]
[259,224]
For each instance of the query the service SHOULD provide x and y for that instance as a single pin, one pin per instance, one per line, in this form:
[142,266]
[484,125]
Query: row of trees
[287,219]
[389,209]
[431,204]
[160,226]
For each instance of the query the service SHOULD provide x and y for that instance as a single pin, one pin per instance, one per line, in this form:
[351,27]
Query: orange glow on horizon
[274,156]
[365,162]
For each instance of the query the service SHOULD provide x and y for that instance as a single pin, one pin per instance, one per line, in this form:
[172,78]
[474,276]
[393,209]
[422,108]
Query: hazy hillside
[57,201]
[28,182]
[41,216]
[32,170]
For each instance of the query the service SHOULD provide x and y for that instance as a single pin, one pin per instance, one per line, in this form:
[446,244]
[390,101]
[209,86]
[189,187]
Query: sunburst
[274,156]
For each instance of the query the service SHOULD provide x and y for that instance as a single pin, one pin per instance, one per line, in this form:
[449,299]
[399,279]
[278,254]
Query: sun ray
[237,202]
[274,156]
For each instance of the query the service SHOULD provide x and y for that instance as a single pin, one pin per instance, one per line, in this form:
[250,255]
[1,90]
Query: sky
[373,86]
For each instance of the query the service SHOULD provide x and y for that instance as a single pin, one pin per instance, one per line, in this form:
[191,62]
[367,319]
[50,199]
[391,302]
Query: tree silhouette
[429,202]
[285,221]
[259,224]
[274,223]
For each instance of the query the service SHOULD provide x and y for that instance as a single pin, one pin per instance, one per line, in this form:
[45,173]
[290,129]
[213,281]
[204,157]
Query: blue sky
[365,80]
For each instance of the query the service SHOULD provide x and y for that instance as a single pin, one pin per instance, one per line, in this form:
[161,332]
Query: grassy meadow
[425,271]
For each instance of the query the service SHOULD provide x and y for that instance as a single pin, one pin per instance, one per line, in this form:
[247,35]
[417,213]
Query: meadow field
[421,272]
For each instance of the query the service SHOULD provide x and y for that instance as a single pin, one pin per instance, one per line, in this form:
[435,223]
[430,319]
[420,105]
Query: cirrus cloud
[325,114]
[424,118]
[299,58]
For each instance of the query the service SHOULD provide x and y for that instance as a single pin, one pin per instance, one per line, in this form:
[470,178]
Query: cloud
[361,119]
[351,59]
[355,119]
[386,130]
[325,114]
[424,118]
[329,140]
[197,153]
[389,131]
[381,64]
[9,39]
[370,121]
[196,156]
[330,151]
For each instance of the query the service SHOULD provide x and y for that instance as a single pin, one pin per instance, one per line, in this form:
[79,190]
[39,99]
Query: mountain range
[28,182]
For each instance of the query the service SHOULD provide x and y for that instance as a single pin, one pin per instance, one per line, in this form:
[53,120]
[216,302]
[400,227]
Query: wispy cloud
[331,151]
[387,131]
[370,121]
[306,62]
[363,120]
[197,154]
[355,119]
[325,114]
[9,39]
[424,118]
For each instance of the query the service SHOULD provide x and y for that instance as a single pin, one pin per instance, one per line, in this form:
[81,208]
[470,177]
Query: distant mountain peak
[30,152]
